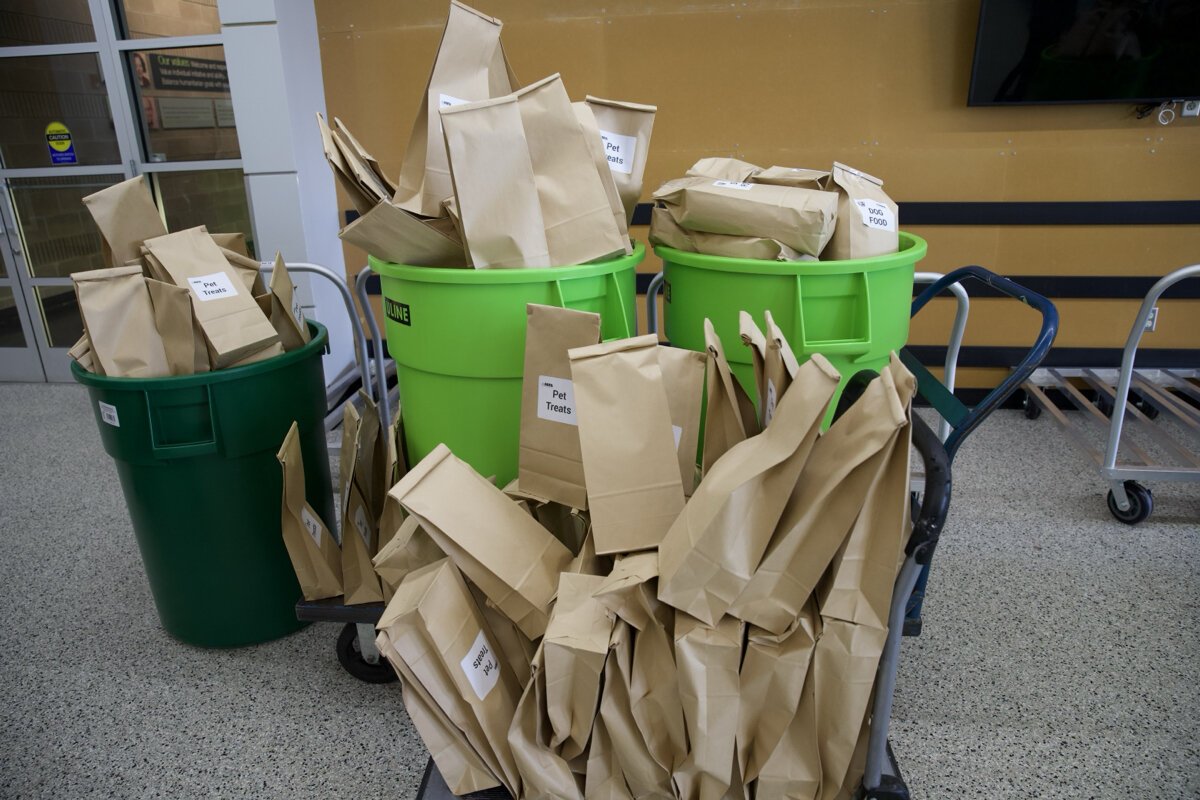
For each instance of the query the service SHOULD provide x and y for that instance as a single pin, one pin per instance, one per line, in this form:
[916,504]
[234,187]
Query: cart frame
[882,779]
[1128,500]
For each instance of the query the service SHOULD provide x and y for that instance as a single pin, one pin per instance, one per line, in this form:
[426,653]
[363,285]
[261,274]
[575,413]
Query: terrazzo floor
[1059,658]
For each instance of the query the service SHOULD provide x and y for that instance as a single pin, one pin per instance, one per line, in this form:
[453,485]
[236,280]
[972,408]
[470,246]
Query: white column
[273,56]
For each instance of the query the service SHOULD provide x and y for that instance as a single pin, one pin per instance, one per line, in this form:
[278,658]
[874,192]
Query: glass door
[93,92]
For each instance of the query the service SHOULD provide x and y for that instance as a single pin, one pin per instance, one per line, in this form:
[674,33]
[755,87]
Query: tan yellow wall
[881,85]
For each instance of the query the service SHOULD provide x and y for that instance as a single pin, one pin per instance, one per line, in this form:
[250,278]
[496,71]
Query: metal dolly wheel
[1172,394]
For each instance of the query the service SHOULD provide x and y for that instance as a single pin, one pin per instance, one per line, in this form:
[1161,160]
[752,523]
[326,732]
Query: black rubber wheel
[1141,504]
[1031,407]
[352,660]
[1105,405]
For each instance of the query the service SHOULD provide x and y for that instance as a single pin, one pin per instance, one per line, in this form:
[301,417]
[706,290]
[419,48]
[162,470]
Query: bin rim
[409,272]
[912,249]
[318,342]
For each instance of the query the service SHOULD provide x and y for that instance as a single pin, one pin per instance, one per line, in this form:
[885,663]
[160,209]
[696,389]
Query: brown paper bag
[544,773]
[803,219]
[567,524]
[828,495]
[248,269]
[645,777]
[845,662]
[516,650]
[470,65]
[724,169]
[311,547]
[792,176]
[596,145]
[174,321]
[352,150]
[505,553]
[858,585]
[729,414]
[393,234]
[867,222]
[665,230]
[633,484]
[710,554]
[604,779]
[793,770]
[119,319]
[287,315]
[437,630]
[361,198]
[359,536]
[461,767]
[753,338]
[575,648]
[409,549]
[625,129]
[234,326]
[579,222]
[371,466]
[683,379]
[126,216]
[81,354]
[234,242]
[495,185]
[550,463]
[707,660]
[779,368]
[772,677]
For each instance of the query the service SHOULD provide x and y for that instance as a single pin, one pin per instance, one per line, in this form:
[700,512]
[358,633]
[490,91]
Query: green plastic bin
[196,459]
[458,339]
[853,312]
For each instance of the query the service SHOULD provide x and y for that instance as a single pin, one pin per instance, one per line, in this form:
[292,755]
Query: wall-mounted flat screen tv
[1086,51]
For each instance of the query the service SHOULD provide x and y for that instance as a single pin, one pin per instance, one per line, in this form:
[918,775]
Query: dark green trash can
[196,458]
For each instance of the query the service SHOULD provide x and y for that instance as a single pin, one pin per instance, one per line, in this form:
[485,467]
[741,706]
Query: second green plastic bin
[853,312]
[196,459]
[458,339]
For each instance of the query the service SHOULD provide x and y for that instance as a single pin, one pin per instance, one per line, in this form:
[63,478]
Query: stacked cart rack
[1171,395]
[882,779]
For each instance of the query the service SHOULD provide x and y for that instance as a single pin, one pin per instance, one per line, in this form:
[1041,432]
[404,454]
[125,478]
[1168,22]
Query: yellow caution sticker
[60,144]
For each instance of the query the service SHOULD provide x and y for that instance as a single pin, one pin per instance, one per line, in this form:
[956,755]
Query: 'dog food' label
[876,215]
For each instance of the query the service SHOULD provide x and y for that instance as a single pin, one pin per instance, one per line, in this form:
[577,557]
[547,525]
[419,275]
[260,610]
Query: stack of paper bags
[177,303]
[496,175]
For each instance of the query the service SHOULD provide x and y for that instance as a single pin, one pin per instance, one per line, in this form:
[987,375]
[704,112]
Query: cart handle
[962,420]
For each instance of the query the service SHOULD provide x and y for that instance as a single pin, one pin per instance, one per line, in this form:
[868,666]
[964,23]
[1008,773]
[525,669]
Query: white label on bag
[364,530]
[772,398]
[212,287]
[678,431]
[745,187]
[620,150]
[556,400]
[312,525]
[448,101]
[481,667]
[108,413]
[876,215]
[297,309]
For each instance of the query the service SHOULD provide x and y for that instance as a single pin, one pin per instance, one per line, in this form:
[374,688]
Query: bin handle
[190,449]
[652,290]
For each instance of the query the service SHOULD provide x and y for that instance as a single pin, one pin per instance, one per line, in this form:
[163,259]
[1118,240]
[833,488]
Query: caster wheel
[1032,409]
[1141,504]
[1105,405]
[352,660]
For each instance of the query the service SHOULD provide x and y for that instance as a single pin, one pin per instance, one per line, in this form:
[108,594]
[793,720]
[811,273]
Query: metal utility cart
[882,778]
[1169,394]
